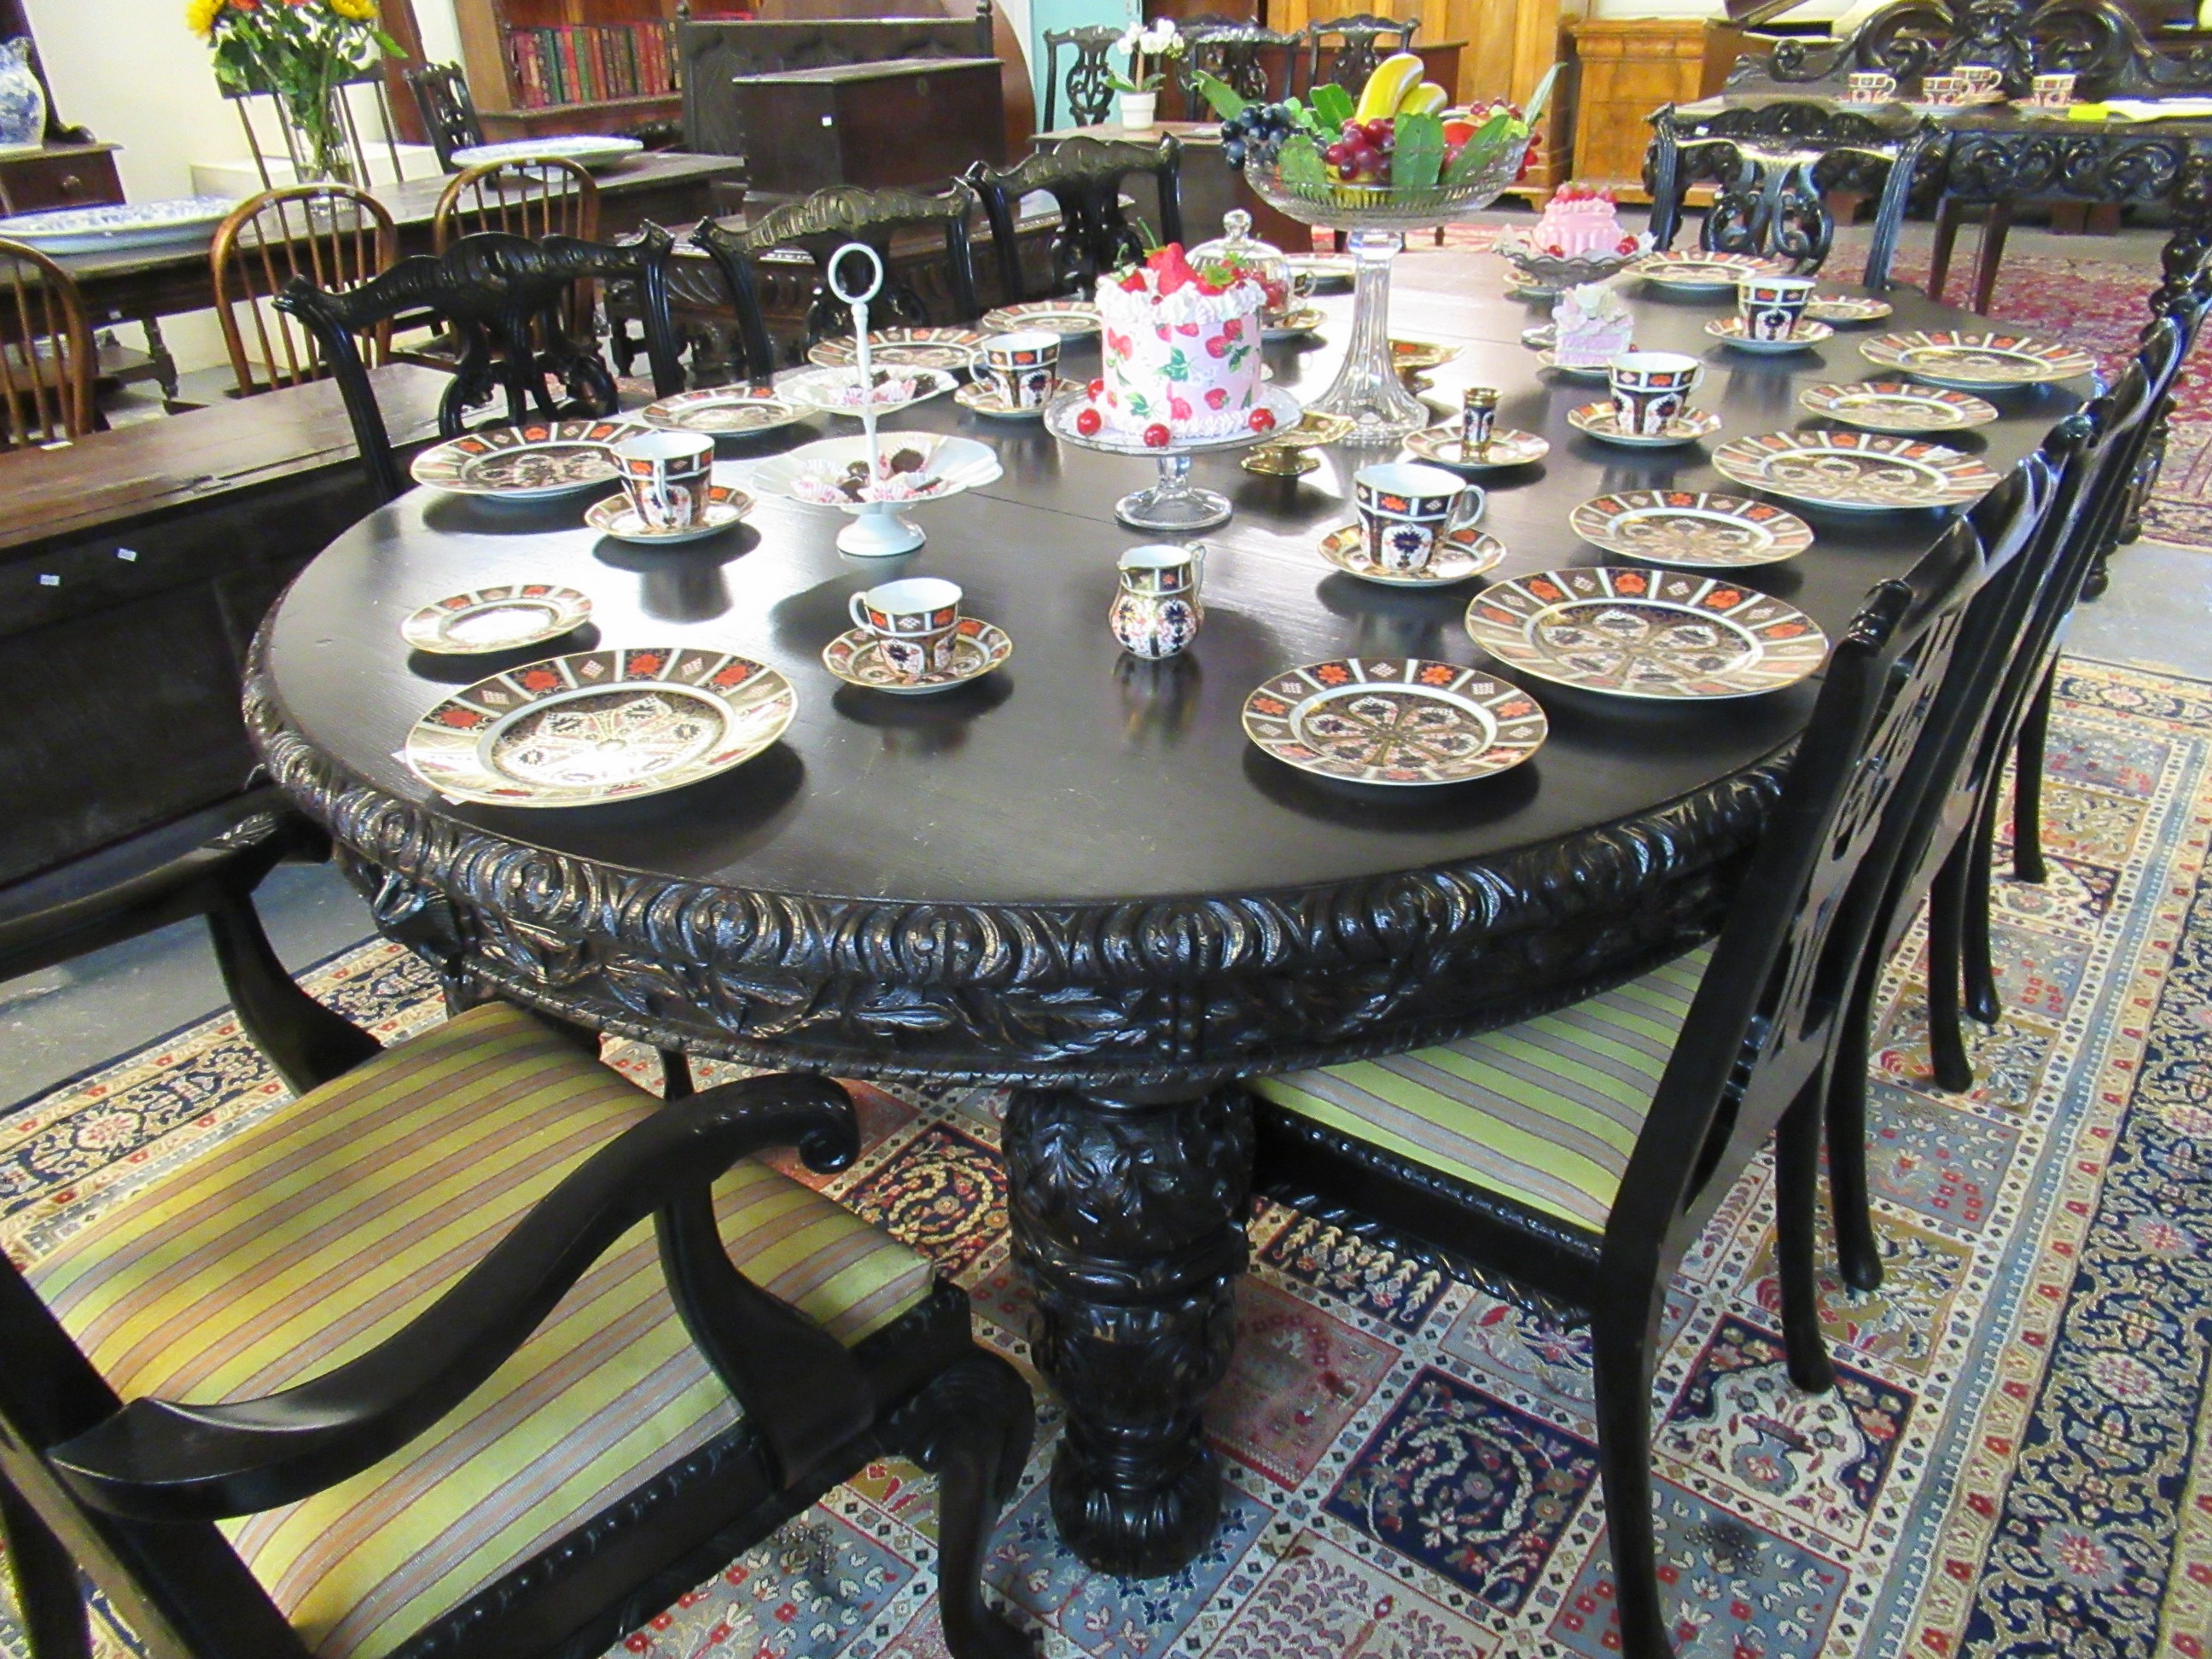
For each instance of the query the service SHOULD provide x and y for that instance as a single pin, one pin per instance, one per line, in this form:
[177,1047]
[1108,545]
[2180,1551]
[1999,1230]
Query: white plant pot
[1138,108]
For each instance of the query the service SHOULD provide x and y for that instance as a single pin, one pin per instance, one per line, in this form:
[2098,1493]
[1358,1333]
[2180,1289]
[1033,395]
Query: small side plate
[1069,319]
[1402,723]
[489,619]
[1700,529]
[1506,447]
[724,411]
[950,349]
[1898,406]
[1305,320]
[1849,308]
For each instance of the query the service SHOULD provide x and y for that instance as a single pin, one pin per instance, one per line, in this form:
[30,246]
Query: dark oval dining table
[1078,876]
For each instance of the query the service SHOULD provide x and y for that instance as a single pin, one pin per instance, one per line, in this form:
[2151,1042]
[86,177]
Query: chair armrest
[158,1460]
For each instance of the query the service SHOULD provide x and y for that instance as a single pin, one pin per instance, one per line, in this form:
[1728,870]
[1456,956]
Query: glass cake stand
[1174,503]
[1375,218]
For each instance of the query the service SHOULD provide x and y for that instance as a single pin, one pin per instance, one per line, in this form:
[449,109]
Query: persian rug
[2011,1463]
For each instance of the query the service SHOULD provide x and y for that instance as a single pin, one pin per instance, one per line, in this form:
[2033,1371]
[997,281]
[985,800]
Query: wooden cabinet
[1627,68]
[913,121]
[59,176]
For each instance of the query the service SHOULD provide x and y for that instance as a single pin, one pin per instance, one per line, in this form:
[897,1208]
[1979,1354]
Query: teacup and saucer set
[1017,375]
[669,495]
[1770,316]
[1474,443]
[909,638]
[1415,528]
[1650,407]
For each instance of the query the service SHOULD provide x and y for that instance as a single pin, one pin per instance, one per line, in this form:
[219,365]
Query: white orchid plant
[1156,42]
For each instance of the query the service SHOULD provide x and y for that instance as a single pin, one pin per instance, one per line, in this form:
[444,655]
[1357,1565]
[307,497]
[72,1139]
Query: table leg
[1128,1218]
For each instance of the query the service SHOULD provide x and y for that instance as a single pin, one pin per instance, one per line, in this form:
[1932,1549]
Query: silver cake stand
[1174,503]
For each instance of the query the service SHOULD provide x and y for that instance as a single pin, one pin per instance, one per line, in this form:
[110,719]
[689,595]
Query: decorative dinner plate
[1856,471]
[1637,633]
[586,149]
[837,391]
[1972,359]
[1601,421]
[951,348]
[119,225]
[496,619]
[856,657]
[1328,270]
[1698,528]
[618,516]
[1898,406]
[988,400]
[533,462]
[1304,320]
[1729,331]
[1506,447]
[1463,553]
[1410,356]
[600,726]
[1067,318]
[726,412]
[1398,722]
[1698,273]
[1848,308]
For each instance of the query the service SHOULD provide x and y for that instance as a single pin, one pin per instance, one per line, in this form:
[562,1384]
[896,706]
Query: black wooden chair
[1773,169]
[449,112]
[497,1353]
[503,299]
[1576,1156]
[1090,97]
[1361,41]
[1258,64]
[1084,176]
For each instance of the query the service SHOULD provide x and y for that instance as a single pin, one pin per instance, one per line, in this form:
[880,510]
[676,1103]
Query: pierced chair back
[332,235]
[448,111]
[48,362]
[1772,169]
[1256,63]
[501,297]
[1090,99]
[1084,176]
[1361,41]
[818,225]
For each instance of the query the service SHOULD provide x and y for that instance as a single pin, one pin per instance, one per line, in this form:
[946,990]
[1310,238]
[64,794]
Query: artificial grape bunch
[1256,132]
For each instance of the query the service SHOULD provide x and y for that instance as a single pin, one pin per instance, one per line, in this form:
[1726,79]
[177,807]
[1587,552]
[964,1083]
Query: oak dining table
[1077,876]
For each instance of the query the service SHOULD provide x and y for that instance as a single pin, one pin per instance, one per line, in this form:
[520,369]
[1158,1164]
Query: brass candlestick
[1288,456]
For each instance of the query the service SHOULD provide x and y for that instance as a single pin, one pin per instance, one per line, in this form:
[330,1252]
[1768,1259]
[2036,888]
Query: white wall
[441,35]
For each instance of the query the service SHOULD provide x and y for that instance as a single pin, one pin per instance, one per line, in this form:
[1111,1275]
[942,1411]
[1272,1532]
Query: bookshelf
[504,100]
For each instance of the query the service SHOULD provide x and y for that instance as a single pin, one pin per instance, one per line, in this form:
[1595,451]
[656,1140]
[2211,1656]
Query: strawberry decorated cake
[1581,220]
[1181,349]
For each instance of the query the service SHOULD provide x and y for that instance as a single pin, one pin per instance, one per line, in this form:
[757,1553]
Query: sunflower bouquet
[303,52]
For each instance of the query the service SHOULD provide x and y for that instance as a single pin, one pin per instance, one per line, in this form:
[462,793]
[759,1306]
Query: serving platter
[950,349]
[499,619]
[533,462]
[618,516]
[1460,554]
[118,225]
[1898,406]
[587,149]
[1069,319]
[1506,447]
[1731,332]
[1402,722]
[856,657]
[1855,471]
[1660,635]
[726,411]
[1601,421]
[1701,273]
[1700,529]
[1974,360]
[599,725]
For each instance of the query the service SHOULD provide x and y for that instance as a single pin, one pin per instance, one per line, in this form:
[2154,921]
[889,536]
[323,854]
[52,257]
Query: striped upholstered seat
[1545,1113]
[323,1228]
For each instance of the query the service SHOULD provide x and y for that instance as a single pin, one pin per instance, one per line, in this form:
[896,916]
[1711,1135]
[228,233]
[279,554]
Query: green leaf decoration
[1299,162]
[1541,96]
[1178,367]
[1220,97]
[1332,105]
[1419,154]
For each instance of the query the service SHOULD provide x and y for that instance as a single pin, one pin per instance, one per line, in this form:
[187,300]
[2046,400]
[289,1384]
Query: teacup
[1023,367]
[1406,510]
[1983,81]
[1650,388]
[667,474]
[1772,307]
[2052,91]
[915,621]
[1945,91]
[1871,87]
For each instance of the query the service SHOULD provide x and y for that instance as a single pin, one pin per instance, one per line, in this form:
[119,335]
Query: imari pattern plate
[496,619]
[1972,359]
[1410,356]
[1730,331]
[618,516]
[1460,554]
[902,348]
[1506,447]
[1655,633]
[1402,722]
[1293,324]
[989,402]
[1696,528]
[1898,406]
[528,463]
[1330,270]
[1066,317]
[1549,359]
[726,412]
[599,725]
[1601,421]
[1855,471]
[856,657]
[1702,272]
[1848,308]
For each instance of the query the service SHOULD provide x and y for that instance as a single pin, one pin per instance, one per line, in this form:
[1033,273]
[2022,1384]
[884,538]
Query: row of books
[591,62]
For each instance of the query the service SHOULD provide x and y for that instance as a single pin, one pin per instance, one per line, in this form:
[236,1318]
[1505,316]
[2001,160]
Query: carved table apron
[1077,877]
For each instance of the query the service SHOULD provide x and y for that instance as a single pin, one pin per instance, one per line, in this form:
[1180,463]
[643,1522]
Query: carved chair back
[550,198]
[47,358]
[1084,176]
[1090,99]
[501,297]
[1359,42]
[1258,64]
[818,225]
[448,111]
[332,236]
[1773,168]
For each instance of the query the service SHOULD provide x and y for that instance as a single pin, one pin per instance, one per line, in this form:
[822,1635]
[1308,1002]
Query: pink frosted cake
[1578,220]
[1590,326]
[1181,349]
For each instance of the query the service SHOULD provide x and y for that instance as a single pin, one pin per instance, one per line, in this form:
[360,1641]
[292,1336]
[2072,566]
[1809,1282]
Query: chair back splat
[333,236]
[1090,97]
[1084,176]
[449,112]
[1363,40]
[502,297]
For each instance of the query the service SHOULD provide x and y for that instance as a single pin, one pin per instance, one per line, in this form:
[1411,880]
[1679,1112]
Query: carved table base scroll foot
[1128,1218]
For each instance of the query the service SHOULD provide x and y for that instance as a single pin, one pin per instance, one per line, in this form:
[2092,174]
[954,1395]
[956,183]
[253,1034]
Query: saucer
[1465,552]
[1807,332]
[855,656]
[1550,359]
[1602,421]
[987,400]
[1506,447]
[617,517]
[489,619]
[1848,308]
[1304,320]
